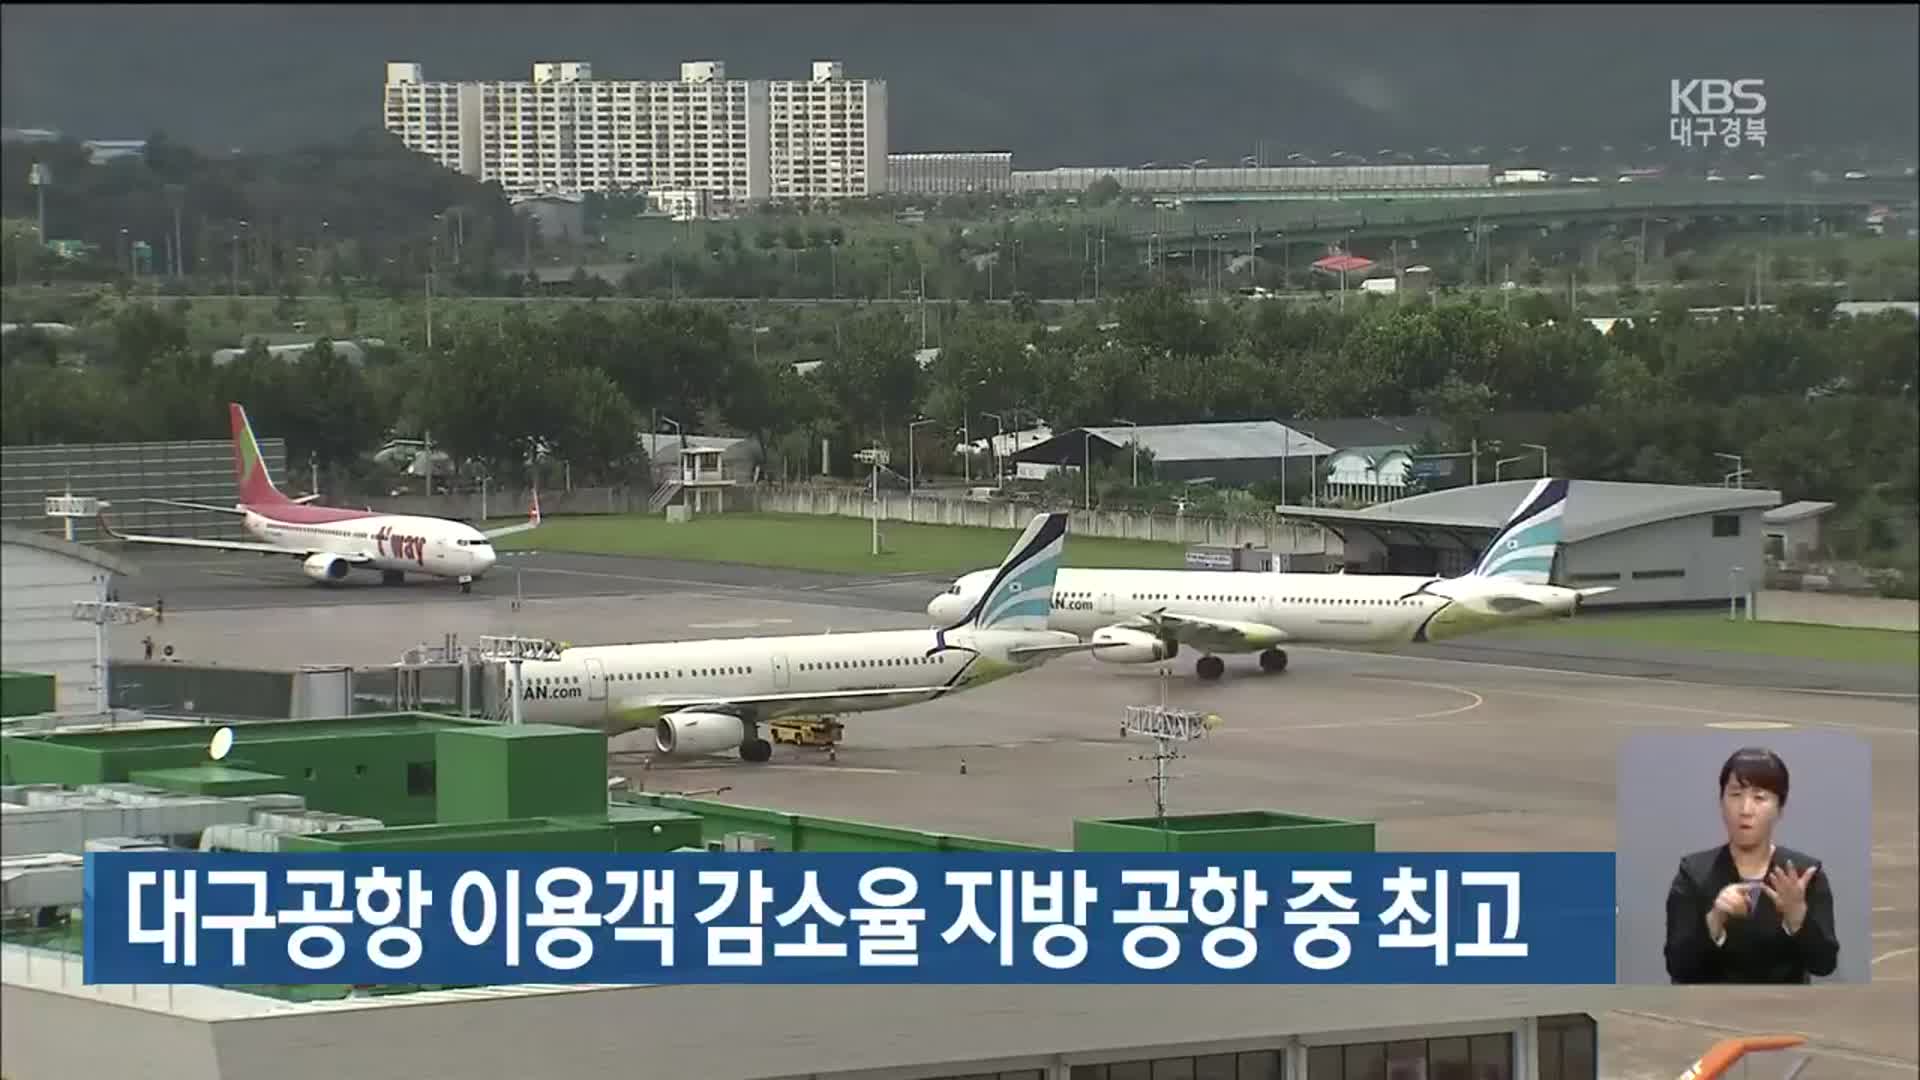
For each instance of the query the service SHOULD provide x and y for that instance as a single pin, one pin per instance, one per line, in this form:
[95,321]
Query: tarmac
[1456,747]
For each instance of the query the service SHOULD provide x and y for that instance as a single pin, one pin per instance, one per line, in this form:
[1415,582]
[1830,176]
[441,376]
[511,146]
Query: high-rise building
[829,135]
[567,132]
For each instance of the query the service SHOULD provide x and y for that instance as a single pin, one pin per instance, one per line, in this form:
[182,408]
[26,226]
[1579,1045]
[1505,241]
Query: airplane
[1146,616]
[708,697]
[330,541]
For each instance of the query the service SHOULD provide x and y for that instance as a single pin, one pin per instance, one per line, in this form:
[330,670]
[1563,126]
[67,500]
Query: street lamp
[1502,462]
[1086,466]
[910,428]
[1736,478]
[1543,455]
[1133,439]
[1000,435]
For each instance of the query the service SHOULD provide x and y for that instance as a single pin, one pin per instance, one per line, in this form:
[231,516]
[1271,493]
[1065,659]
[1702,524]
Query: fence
[923,509]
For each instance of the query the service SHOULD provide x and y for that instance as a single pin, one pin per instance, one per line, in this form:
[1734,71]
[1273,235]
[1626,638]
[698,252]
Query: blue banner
[481,919]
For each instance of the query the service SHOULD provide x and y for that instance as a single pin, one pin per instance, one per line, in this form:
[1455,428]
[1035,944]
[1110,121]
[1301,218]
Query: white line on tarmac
[1661,680]
[1437,716]
[1695,710]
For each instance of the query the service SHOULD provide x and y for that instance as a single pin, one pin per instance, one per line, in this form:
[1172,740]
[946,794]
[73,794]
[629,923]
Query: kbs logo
[394,546]
[1727,109]
[1717,97]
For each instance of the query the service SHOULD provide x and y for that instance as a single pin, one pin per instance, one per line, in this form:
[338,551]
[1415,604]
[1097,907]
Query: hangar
[41,577]
[1653,543]
[1233,453]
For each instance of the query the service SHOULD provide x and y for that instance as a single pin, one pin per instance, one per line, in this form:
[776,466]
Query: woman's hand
[1788,891]
[1732,903]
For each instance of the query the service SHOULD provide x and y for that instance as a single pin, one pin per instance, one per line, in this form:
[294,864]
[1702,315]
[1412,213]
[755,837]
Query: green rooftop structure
[26,693]
[1238,831]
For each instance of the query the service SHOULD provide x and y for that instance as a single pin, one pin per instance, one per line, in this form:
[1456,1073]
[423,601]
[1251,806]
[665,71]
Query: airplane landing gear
[1209,667]
[466,584]
[756,750]
[1274,660]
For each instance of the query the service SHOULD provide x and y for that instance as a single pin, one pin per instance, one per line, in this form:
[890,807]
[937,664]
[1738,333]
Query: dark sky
[1108,85]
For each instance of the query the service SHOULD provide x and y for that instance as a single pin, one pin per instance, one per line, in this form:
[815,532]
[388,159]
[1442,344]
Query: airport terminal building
[1653,543]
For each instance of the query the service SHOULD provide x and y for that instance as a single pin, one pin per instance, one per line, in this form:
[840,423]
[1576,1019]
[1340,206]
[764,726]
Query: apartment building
[738,140]
[829,135]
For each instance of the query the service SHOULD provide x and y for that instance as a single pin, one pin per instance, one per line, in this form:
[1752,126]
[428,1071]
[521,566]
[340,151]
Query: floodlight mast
[517,650]
[1165,726]
[101,612]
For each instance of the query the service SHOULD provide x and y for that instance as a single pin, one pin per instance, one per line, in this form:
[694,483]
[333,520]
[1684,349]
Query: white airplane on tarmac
[1146,616]
[331,541]
[708,697]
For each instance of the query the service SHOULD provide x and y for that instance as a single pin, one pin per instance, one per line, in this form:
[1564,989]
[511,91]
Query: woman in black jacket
[1750,911]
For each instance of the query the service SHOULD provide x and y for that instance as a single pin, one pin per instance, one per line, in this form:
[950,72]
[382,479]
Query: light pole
[101,612]
[1736,478]
[1543,455]
[1134,440]
[1500,464]
[910,428]
[1086,465]
[999,435]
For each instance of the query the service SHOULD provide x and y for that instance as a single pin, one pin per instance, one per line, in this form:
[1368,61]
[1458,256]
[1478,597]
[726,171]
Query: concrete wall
[1878,612]
[1685,544]
[1171,528]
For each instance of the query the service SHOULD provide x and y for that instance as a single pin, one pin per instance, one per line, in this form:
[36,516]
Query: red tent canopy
[1339,263]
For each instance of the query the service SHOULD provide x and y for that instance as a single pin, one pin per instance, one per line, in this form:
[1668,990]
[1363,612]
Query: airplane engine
[325,567]
[690,734]
[1119,645]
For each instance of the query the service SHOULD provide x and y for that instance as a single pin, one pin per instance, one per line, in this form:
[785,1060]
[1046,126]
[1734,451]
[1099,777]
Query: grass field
[842,544]
[1715,631]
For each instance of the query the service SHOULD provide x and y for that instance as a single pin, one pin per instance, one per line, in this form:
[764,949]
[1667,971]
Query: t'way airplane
[1145,616]
[708,697]
[330,541]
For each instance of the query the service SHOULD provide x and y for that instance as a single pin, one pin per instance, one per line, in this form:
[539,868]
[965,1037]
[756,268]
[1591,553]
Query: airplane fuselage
[1339,609]
[391,543]
[1342,609]
[618,688]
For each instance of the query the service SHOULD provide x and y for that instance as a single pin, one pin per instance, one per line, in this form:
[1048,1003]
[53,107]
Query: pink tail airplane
[329,541]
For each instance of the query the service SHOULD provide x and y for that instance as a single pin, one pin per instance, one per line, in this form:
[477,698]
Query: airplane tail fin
[1021,593]
[252,483]
[1524,549]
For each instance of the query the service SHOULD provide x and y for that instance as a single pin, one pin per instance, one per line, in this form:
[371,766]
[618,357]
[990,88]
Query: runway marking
[1437,716]
[736,624]
[1749,725]
[1662,681]
[1697,710]
[1894,953]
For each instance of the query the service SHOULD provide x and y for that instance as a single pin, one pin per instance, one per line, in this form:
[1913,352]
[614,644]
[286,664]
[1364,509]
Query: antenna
[1165,726]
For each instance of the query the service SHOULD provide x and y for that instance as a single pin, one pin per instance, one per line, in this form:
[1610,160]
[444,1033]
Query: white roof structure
[1594,507]
[1229,441]
[1795,511]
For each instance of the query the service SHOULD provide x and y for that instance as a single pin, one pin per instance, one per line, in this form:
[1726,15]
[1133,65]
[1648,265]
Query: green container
[647,829]
[512,772]
[1245,830]
[26,693]
[527,835]
[802,832]
[367,766]
[212,780]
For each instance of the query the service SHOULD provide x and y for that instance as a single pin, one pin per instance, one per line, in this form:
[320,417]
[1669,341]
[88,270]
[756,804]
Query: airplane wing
[1022,652]
[1218,635]
[194,506]
[667,703]
[532,522]
[220,545]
